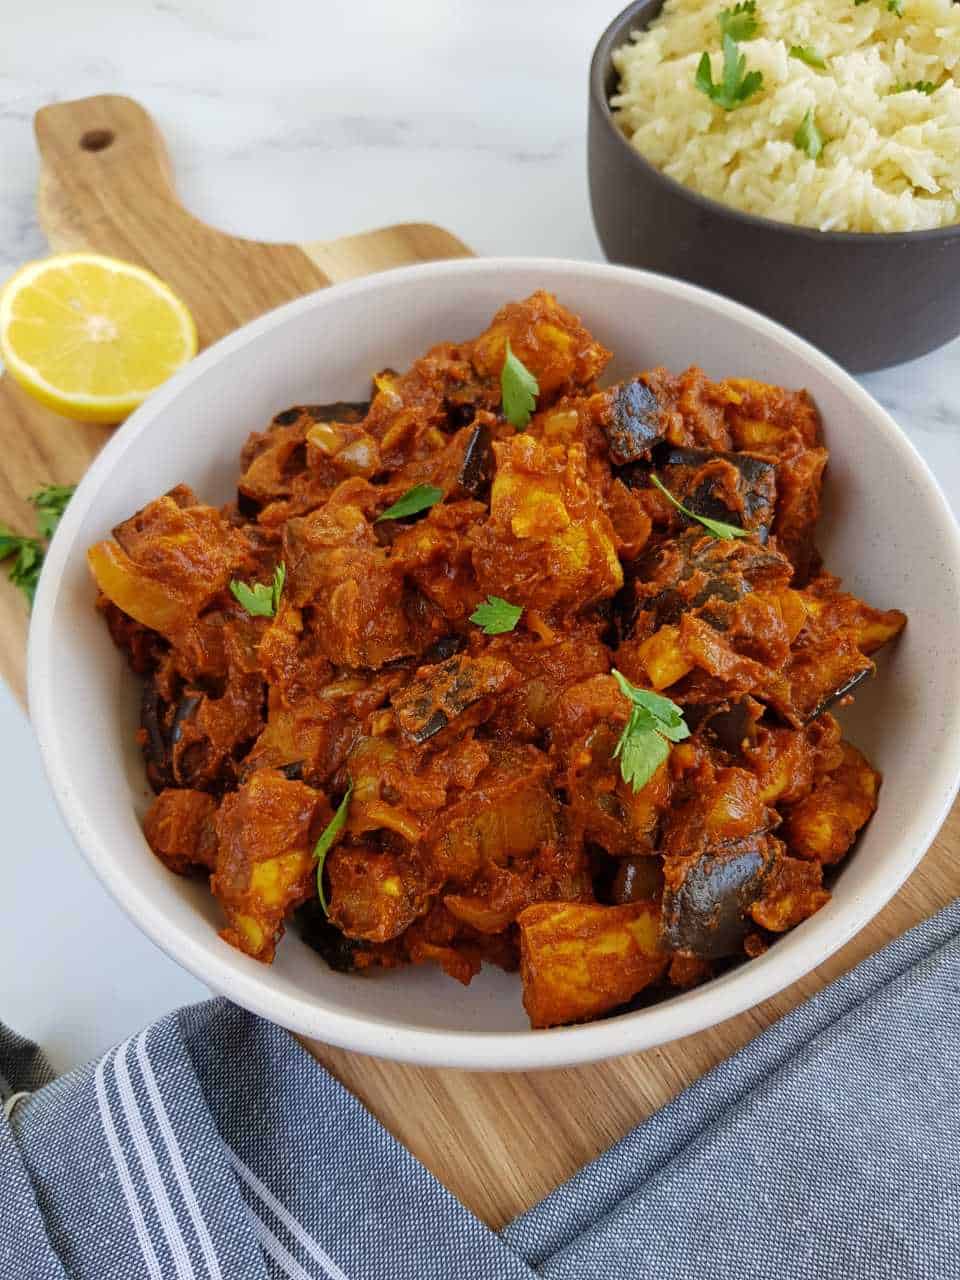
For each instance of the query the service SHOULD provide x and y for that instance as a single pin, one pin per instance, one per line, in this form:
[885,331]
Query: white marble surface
[301,120]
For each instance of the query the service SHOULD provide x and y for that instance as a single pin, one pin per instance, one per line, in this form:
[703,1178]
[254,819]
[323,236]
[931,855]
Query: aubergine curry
[502,666]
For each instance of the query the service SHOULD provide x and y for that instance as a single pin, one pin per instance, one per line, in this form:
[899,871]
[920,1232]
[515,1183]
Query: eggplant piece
[633,421]
[738,488]
[823,673]
[727,724]
[338,411]
[476,469]
[706,914]
[440,693]
[696,570]
[844,690]
[339,951]
[443,648]
[636,880]
[293,771]
[156,756]
[162,726]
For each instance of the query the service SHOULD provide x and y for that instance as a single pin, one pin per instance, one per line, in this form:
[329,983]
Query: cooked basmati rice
[892,159]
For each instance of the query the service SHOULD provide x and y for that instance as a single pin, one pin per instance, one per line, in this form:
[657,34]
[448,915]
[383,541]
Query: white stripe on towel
[151,1170]
[176,1159]
[123,1173]
[315,1250]
[274,1249]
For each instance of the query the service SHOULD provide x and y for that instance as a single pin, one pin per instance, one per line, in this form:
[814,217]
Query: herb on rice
[737,84]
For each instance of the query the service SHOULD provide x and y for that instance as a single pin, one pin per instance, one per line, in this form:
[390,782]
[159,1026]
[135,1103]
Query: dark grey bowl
[868,300]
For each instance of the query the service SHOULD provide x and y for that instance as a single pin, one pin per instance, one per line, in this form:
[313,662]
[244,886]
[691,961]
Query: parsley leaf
[918,86]
[808,137]
[895,6]
[739,23]
[496,615]
[327,838]
[655,722]
[737,84]
[262,600]
[518,390]
[416,499]
[27,553]
[51,502]
[717,527]
[806,53]
[28,560]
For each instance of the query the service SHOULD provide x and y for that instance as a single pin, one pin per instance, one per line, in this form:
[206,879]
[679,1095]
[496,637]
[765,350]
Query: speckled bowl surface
[867,300]
[886,529]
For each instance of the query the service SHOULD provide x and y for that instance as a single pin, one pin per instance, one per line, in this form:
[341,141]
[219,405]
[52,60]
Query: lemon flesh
[90,336]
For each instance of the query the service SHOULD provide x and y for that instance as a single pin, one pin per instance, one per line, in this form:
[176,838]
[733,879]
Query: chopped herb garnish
[893,6]
[28,553]
[51,502]
[808,137]
[737,84]
[655,722]
[327,838]
[806,53]
[262,600]
[518,390]
[717,527]
[419,498]
[25,570]
[918,86]
[496,615]
[739,23]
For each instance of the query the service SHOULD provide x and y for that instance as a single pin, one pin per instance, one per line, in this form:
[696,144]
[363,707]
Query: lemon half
[91,336]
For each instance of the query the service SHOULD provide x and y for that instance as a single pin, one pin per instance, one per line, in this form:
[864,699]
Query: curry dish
[480,679]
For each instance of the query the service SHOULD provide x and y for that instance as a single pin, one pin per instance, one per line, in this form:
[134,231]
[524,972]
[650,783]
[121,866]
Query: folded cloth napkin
[212,1147]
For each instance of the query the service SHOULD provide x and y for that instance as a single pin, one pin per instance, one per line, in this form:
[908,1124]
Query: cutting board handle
[106,184]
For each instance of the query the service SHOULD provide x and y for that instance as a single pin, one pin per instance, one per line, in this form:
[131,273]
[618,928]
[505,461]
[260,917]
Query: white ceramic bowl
[887,530]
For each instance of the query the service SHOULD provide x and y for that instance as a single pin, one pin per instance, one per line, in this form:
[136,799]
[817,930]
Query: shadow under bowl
[869,300]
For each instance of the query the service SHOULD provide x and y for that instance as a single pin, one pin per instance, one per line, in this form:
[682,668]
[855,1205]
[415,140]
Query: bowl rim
[615,35]
[235,976]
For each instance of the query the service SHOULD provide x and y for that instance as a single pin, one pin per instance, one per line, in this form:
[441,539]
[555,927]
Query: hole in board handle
[96,139]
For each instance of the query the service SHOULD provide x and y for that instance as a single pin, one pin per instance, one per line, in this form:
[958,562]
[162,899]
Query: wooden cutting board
[498,1141]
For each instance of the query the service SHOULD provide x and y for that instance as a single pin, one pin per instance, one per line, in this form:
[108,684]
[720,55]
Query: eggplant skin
[835,695]
[692,475]
[337,411]
[476,469]
[706,915]
[727,724]
[325,938]
[633,423]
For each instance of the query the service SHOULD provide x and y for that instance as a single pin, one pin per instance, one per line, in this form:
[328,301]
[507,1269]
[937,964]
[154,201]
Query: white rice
[892,160]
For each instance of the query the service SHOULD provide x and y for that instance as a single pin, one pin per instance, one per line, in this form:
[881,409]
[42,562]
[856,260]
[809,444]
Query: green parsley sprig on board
[28,553]
[518,390]
[419,498]
[496,615]
[736,85]
[718,528]
[327,838]
[262,600]
[655,722]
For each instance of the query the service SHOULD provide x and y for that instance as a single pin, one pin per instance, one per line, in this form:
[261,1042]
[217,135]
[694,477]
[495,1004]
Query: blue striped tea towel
[211,1147]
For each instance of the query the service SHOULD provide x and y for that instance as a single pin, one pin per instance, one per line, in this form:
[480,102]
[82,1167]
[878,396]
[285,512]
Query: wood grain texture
[119,198]
[498,1141]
